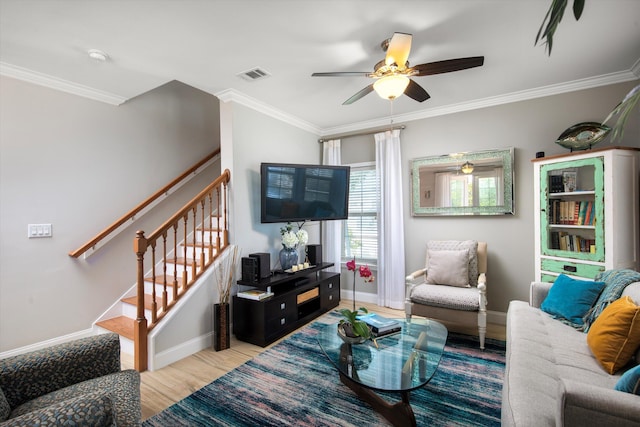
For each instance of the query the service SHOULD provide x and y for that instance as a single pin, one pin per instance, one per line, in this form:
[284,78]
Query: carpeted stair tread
[121,325]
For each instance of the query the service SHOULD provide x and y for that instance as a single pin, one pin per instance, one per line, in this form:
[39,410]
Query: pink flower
[351,265]
[365,273]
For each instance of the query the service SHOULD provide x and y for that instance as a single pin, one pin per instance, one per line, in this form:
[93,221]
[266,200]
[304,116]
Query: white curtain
[443,184]
[331,230]
[391,274]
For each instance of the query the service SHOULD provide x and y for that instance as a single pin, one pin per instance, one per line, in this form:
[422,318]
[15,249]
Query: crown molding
[508,98]
[45,80]
[228,95]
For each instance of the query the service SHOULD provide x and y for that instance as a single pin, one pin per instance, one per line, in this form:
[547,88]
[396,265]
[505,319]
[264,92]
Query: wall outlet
[35,231]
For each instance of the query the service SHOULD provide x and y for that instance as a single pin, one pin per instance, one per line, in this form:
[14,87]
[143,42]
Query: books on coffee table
[380,325]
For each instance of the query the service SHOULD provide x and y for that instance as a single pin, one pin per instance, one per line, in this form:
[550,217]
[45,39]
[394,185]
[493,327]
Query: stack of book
[255,294]
[380,326]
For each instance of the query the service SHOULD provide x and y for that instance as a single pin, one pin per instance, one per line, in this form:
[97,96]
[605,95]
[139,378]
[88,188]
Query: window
[360,239]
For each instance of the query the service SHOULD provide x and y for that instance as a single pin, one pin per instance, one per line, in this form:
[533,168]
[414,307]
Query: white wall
[80,165]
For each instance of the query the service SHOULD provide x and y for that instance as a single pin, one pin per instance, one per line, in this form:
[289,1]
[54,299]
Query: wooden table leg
[399,414]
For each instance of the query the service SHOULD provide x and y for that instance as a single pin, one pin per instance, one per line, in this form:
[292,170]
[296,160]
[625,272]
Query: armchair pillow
[456,245]
[570,299]
[615,335]
[448,268]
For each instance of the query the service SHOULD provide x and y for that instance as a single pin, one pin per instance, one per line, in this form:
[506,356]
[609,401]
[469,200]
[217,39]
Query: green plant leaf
[553,17]
[623,110]
[578,8]
[361,329]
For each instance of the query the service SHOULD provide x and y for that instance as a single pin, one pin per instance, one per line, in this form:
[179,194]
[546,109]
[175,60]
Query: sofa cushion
[629,382]
[453,245]
[466,299]
[5,409]
[615,335]
[448,268]
[571,299]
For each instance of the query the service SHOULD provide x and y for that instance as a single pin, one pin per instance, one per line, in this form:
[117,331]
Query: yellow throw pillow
[615,334]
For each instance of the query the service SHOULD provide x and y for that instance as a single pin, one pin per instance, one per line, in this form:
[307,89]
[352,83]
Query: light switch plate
[35,231]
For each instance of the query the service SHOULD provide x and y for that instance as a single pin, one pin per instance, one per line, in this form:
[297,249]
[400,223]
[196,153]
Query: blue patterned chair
[454,285]
[77,383]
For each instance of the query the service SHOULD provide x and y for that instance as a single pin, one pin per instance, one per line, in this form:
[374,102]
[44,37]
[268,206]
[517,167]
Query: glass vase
[288,258]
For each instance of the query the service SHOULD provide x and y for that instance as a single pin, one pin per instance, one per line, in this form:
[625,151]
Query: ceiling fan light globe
[467,168]
[391,87]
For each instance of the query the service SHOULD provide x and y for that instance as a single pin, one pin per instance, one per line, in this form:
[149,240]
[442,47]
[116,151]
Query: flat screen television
[296,193]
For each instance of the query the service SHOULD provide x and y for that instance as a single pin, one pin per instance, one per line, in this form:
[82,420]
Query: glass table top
[402,362]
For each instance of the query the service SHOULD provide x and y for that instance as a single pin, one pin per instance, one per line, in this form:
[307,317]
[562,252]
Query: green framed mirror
[470,183]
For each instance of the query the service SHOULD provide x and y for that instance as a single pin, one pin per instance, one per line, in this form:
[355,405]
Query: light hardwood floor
[162,388]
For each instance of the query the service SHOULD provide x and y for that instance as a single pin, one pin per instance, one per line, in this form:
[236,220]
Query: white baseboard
[496,317]
[48,343]
[167,357]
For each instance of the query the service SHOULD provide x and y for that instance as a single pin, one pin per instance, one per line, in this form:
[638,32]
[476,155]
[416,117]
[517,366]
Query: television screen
[293,193]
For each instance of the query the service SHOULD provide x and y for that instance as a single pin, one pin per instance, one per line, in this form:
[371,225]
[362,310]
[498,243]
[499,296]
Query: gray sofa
[551,376]
[76,383]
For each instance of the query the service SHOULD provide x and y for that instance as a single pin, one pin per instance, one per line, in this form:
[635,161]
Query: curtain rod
[321,140]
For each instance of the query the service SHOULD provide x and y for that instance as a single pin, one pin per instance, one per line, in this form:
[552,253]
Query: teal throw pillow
[629,382]
[570,299]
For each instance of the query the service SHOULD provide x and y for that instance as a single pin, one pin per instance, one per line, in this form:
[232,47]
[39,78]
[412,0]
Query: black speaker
[249,270]
[264,264]
[314,253]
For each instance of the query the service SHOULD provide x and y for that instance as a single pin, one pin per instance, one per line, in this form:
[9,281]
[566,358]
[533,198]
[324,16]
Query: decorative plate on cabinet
[583,136]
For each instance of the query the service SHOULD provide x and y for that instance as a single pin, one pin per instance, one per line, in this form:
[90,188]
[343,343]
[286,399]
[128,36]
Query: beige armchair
[453,286]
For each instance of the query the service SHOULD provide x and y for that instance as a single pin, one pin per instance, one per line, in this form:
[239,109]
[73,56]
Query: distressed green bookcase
[586,212]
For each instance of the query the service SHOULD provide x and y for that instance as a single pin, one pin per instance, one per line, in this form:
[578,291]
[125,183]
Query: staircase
[180,252]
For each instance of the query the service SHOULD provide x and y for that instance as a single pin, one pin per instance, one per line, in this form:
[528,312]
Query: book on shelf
[255,294]
[380,325]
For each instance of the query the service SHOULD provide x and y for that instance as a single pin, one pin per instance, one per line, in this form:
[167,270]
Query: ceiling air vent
[253,74]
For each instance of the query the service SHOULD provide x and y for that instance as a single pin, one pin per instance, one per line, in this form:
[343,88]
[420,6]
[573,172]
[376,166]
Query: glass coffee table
[402,362]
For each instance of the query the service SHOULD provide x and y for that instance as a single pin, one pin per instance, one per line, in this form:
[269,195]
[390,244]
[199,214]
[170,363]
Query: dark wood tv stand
[298,298]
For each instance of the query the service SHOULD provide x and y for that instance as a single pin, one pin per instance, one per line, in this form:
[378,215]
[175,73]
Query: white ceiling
[206,43]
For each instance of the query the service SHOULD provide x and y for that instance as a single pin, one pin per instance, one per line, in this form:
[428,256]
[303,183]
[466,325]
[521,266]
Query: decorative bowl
[583,136]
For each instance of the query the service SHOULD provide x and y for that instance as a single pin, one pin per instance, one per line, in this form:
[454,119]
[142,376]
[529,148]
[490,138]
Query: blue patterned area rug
[294,384]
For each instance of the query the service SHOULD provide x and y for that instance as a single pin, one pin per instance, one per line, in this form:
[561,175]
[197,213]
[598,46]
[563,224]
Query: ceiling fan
[393,73]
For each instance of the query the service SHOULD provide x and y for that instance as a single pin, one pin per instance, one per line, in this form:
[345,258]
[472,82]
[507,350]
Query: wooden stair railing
[136,210]
[196,224]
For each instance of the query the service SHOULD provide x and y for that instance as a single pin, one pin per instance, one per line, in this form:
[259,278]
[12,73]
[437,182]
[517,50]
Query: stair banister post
[140,326]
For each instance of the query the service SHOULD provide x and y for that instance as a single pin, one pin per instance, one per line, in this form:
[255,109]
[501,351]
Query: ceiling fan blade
[366,91]
[415,91]
[343,74]
[398,50]
[448,66]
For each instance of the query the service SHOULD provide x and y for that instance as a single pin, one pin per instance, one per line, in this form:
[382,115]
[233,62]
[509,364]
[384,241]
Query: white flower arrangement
[291,239]
[303,237]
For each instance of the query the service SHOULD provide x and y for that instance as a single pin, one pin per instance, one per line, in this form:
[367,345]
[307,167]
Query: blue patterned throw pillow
[629,382]
[570,299]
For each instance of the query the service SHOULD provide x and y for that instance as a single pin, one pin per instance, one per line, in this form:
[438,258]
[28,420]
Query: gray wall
[258,138]
[80,165]
[529,126]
